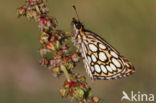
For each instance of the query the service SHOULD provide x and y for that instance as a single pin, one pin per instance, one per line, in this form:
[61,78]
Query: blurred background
[128,25]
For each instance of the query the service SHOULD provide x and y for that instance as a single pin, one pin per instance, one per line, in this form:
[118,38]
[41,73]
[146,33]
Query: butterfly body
[101,60]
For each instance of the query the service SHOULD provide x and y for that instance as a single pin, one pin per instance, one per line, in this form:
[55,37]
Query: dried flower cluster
[55,53]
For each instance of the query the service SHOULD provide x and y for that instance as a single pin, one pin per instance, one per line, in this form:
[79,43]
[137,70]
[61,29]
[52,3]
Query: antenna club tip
[73,6]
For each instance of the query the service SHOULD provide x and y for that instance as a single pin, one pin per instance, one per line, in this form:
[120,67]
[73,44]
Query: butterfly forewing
[101,60]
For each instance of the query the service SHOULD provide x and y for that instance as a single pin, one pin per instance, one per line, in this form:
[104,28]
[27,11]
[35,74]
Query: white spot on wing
[93,58]
[92,69]
[102,46]
[92,47]
[103,68]
[116,62]
[109,68]
[113,67]
[89,59]
[102,56]
[114,54]
[97,68]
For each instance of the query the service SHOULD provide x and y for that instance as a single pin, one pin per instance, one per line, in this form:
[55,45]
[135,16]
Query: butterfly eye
[78,26]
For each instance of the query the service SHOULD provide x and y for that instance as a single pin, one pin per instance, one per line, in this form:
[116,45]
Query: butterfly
[101,60]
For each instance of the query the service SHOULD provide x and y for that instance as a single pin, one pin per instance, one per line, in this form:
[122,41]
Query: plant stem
[63,68]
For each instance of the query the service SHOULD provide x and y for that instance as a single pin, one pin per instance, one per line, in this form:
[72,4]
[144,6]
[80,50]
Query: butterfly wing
[102,60]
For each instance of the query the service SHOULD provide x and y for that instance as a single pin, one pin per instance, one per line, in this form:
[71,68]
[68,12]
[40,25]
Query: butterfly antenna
[76,11]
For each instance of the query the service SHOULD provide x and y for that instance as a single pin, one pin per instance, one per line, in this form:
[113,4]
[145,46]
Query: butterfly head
[77,24]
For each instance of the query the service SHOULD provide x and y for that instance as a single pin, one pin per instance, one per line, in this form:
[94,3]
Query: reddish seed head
[21,11]
[95,100]
[71,84]
[66,59]
[43,21]
[84,85]
[74,92]
[43,51]
[63,91]
[41,41]
[53,38]
[52,20]
[43,30]
[50,46]
[43,61]
[75,57]
[52,62]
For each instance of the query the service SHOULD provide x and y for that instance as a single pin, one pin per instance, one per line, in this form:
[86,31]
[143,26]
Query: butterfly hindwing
[103,60]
